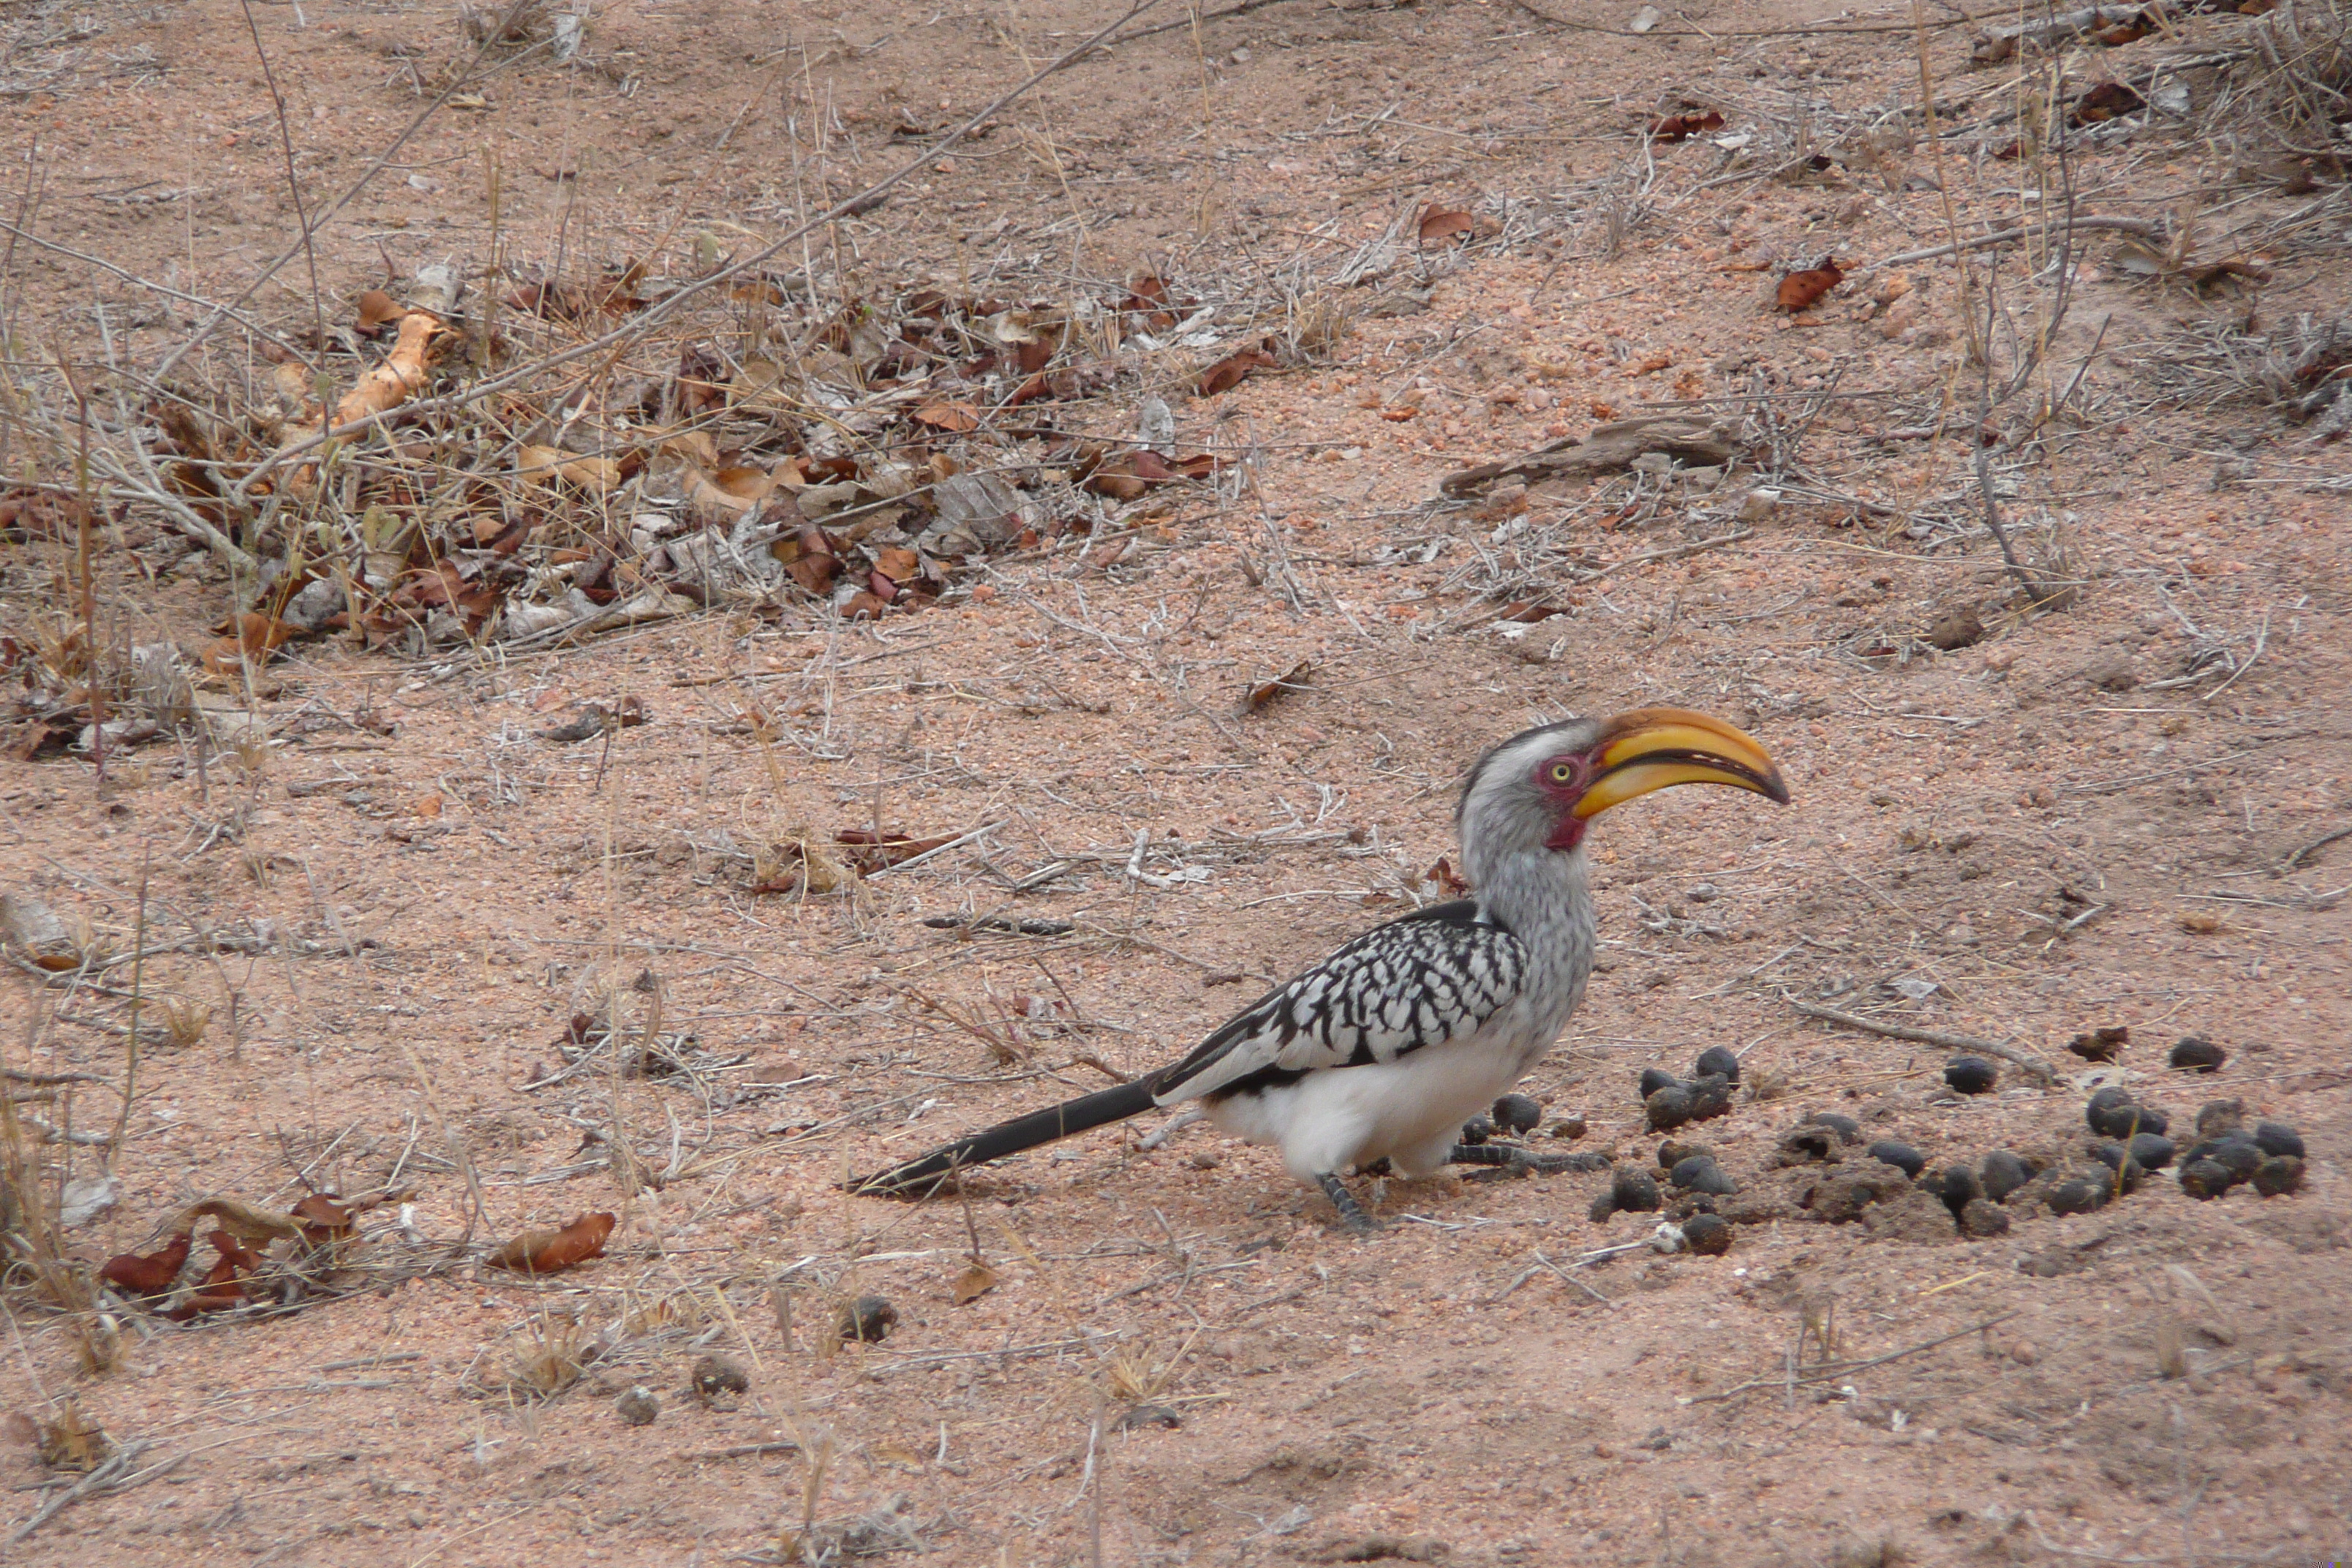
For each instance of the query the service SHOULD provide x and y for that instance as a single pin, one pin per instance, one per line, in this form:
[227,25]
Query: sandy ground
[2087,817]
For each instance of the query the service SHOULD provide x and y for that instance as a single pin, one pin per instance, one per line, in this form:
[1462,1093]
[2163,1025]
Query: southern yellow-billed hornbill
[1386,1048]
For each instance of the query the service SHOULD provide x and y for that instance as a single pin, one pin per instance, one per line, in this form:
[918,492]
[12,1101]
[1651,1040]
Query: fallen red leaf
[546,1251]
[377,310]
[955,417]
[224,1283]
[2105,101]
[1799,290]
[148,1274]
[1229,371]
[1446,878]
[1266,691]
[863,607]
[1675,127]
[1439,225]
[1530,611]
[323,1219]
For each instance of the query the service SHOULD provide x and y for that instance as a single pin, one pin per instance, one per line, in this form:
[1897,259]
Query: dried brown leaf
[1799,290]
[1266,691]
[1441,224]
[547,1251]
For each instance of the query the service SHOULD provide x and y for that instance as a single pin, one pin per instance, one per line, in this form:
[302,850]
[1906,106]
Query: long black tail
[926,1174]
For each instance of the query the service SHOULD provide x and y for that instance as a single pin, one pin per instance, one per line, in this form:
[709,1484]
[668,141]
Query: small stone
[2101,1045]
[869,1318]
[2274,1177]
[1668,1108]
[2151,1151]
[2222,1118]
[2196,1054]
[1656,1079]
[1707,1235]
[1979,1218]
[2277,1138]
[2002,1173]
[1634,1190]
[2205,1179]
[2022,1353]
[1710,1097]
[1477,1131]
[1720,1062]
[716,1375]
[637,1405]
[1902,1156]
[1970,1075]
[1568,1127]
[2077,1196]
[1700,1173]
[1517,1113]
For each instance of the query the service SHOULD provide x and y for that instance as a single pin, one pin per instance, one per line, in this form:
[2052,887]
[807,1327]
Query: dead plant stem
[293,180]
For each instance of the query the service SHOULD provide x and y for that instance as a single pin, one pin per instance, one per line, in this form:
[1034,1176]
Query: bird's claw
[1351,1213]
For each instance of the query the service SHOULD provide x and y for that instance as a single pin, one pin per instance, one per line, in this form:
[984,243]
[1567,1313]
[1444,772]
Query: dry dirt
[2071,822]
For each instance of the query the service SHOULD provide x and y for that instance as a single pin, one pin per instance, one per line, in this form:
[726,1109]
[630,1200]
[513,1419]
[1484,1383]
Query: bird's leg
[1351,1213]
[1514,1157]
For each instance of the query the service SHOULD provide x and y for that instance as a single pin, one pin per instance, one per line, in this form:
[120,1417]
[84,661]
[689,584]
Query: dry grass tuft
[550,1360]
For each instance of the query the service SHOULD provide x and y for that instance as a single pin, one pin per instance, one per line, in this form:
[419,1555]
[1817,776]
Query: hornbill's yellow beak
[1652,748]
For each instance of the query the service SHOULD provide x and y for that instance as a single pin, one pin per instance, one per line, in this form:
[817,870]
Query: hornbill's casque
[1388,1047]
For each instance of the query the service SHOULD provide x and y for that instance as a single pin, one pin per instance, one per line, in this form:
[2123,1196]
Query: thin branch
[1937,1038]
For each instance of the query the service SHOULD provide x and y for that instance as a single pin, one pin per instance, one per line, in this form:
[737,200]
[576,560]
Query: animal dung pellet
[2077,1196]
[1654,1079]
[1700,1173]
[1848,1129]
[2277,1138]
[2203,1178]
[1902,1156]
[2278,1176]
[1673,1152]
[716,1375]
[637,1405]
[1710,1097]
[1979,1218]
[2221,1118]
[1707,1235]
[2112,1113]
[1636,1190]
[1517,1113]
[2197,1054]
[1477,1131]
[868,1317]
[2002,1173]
[2101,1045]
[2150,1151]
[1568,1127]
[1668,1108]
[1970,1075]
[1720,1062]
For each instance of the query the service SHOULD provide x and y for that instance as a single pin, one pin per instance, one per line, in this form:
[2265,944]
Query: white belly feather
[1409,1112]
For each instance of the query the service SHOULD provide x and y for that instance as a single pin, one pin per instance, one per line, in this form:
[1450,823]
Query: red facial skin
[1580,768]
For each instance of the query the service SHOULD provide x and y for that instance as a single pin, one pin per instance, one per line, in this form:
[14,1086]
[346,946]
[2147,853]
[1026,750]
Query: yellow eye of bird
[1561,773]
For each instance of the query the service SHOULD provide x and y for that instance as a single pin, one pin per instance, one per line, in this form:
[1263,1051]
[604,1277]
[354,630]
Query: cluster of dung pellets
[1670,1102]
[2268,1158]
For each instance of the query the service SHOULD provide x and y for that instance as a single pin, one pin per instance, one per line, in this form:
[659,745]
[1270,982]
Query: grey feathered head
[1537,791]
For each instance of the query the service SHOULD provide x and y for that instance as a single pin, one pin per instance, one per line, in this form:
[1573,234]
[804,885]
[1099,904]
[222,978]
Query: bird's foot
[1517,1159]
[1351,1213]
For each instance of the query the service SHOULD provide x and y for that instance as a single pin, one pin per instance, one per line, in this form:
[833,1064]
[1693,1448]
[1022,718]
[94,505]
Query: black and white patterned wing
[1432,976]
